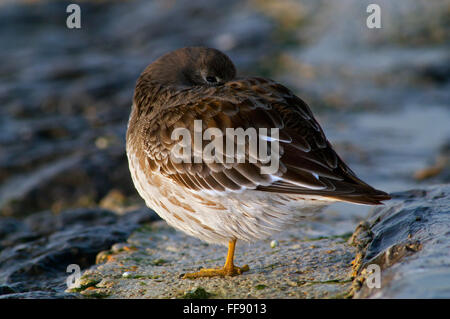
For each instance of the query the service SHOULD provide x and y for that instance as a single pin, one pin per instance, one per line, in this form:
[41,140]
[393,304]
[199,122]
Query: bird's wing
[308,165]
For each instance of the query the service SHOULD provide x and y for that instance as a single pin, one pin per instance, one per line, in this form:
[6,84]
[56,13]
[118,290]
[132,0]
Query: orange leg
[229,269]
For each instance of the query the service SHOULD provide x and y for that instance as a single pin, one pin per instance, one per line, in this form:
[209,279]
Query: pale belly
[217,218]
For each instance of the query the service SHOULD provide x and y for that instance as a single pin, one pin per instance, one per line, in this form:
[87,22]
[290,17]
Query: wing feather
[308,163]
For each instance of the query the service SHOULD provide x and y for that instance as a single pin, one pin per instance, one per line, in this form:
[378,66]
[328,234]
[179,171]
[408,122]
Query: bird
[224,202]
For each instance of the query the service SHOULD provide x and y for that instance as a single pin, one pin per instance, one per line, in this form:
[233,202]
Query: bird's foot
[212,272]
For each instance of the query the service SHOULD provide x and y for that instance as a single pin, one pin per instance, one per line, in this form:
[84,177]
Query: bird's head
[191,66]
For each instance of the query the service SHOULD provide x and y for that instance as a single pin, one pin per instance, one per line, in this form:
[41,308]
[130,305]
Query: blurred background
[381,95]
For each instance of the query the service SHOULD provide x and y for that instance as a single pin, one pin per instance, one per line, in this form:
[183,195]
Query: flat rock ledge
[409,242]
[152,262]
[408,239]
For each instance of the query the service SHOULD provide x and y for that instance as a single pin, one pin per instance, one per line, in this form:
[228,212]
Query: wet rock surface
[65,190]
[35,251]
[409,239]
[155,257]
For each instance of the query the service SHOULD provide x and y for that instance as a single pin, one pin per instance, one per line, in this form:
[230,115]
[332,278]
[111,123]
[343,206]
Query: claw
[227,270]
[213,272]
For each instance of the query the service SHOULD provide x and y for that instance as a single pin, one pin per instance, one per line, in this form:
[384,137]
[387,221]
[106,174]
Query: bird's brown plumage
[308,163]
[232,199]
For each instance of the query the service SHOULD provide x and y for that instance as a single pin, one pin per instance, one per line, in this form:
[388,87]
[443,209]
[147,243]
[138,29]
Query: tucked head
[190,67]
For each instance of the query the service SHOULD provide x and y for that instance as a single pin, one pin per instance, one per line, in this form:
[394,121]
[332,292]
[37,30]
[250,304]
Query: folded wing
[308,165]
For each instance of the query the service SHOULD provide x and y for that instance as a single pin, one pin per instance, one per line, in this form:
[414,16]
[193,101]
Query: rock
[410,243]
[407,239]
[158,256]
[75,181]
[274,244]
[37,251]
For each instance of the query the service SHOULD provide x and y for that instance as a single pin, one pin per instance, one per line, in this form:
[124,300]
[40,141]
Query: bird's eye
[211,79]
